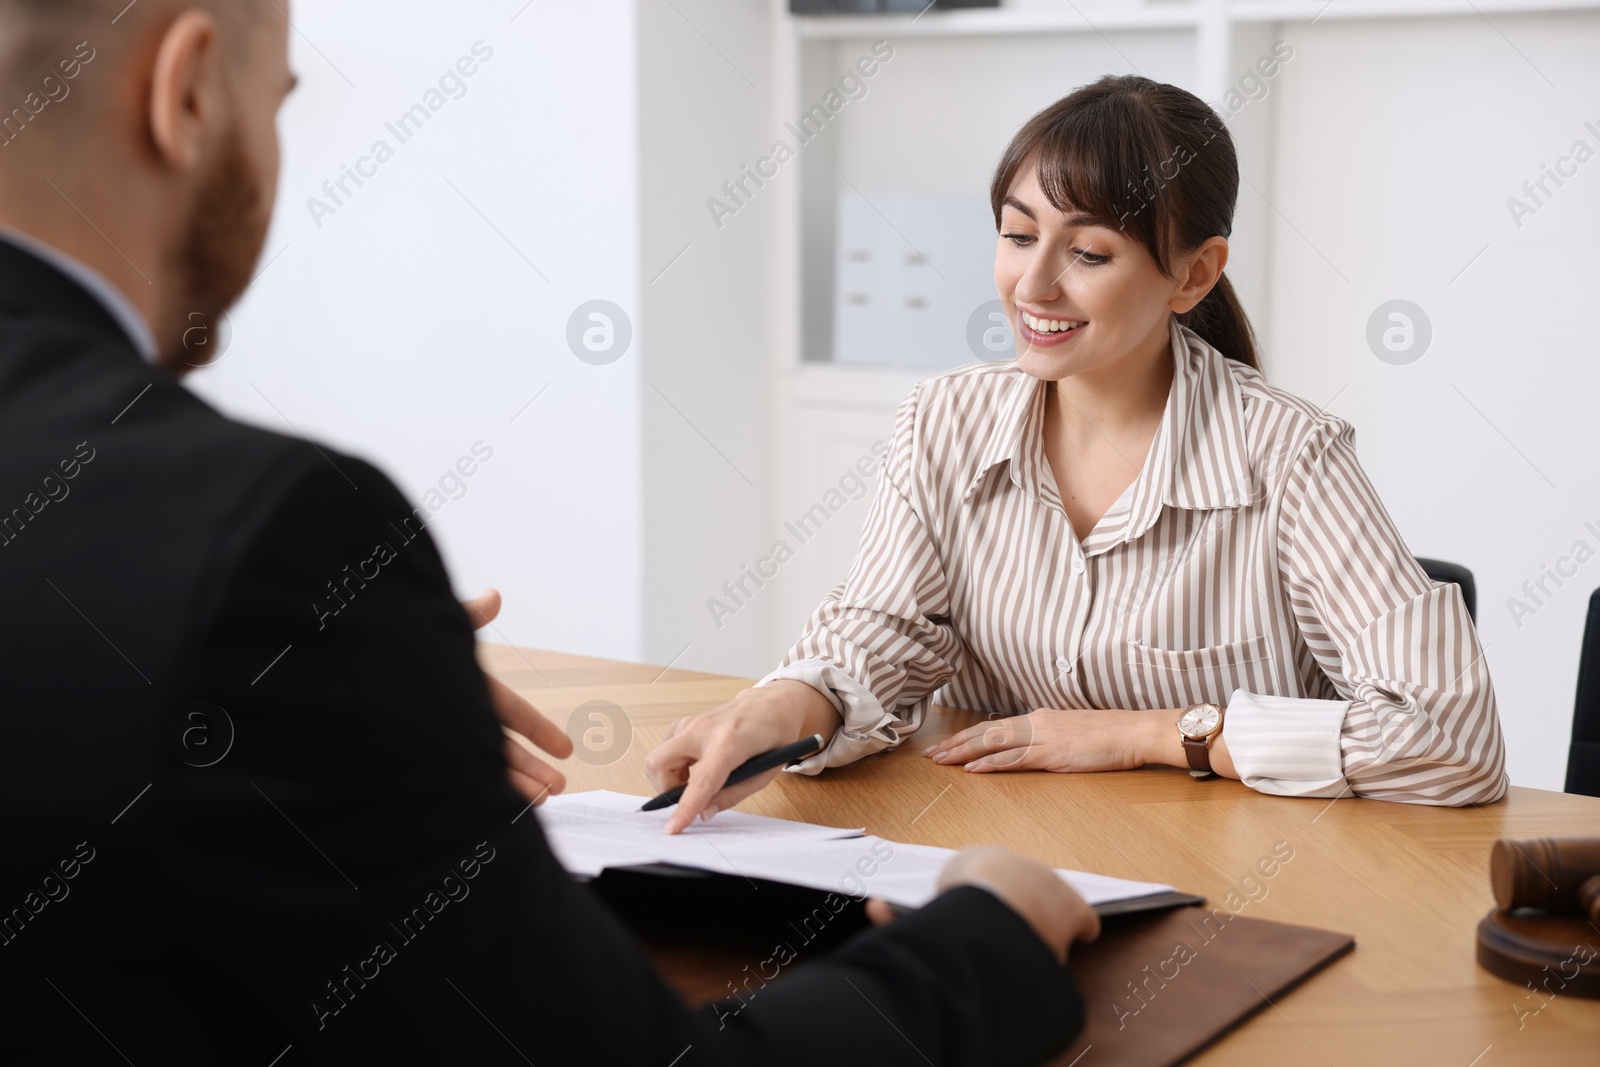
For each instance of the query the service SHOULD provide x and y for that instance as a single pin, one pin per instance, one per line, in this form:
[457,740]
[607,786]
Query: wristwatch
[1198,726]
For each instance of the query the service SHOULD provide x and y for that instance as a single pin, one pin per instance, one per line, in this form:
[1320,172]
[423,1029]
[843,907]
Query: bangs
[1108,158]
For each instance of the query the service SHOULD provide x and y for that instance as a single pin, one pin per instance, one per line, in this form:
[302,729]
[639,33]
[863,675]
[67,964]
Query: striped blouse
[1251,564]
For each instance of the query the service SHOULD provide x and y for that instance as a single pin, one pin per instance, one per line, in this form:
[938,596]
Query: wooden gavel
[1559,875]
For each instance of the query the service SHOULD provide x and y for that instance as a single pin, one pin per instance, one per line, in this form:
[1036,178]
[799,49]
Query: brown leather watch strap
[1199,752]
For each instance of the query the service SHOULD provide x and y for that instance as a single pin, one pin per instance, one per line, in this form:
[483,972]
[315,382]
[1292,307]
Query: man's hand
[1052,907]
[521,721]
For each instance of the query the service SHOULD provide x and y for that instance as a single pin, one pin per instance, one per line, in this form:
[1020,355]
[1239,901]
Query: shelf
[1323,11]
[843,386]
[963,22]
[1174,14]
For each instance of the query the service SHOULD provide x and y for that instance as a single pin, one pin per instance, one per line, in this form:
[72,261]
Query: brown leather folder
[1160,987]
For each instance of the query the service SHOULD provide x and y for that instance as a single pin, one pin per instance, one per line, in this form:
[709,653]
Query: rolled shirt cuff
[866,728]
[1287,746]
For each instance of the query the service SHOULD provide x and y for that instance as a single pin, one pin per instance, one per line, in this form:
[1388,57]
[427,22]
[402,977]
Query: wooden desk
[1409,882]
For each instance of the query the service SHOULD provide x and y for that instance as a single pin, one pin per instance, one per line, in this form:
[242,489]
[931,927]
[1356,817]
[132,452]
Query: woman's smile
[1043,331]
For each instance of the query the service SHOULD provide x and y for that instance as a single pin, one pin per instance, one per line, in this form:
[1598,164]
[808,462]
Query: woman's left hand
[1051,739]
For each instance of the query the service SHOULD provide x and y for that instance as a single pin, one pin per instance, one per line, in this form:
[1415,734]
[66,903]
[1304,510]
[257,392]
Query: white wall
[1398,145]
[706,79]
[406,328]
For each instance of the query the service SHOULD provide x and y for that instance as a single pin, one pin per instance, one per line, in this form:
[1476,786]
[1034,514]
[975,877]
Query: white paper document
[592,831]
[902,874]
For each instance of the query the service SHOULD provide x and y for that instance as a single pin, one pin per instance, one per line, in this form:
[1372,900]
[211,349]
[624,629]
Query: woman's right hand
[755,721]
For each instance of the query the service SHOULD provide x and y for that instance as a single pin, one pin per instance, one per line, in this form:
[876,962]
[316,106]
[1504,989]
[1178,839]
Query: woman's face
[1081,294]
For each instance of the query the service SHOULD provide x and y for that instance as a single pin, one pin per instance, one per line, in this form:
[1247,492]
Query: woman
[1127,528]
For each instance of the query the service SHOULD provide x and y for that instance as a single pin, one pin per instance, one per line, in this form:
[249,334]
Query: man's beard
[221,245]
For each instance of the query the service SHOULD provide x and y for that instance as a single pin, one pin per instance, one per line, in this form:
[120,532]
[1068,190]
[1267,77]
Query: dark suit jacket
[347,874]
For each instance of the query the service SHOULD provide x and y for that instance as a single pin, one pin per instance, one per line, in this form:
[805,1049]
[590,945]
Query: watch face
[1200,721]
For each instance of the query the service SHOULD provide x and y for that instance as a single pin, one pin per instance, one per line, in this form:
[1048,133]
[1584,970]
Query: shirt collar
[1018,423]
[118,306]
[1198,459]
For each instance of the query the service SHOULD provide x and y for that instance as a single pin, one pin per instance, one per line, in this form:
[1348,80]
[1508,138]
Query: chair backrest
[1583,758]
[1440,571]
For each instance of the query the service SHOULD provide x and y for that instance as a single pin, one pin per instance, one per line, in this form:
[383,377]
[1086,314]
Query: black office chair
[1440,571]
[1583,758]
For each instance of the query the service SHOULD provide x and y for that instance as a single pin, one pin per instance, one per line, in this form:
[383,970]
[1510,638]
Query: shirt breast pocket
[1166,678]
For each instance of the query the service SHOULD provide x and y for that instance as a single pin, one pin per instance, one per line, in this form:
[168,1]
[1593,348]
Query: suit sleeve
[358,873]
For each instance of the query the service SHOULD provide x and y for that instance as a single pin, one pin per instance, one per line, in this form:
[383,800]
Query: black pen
[806,746]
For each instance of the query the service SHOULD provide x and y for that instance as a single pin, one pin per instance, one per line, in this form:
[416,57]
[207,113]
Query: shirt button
[1064,665]
[1077,566]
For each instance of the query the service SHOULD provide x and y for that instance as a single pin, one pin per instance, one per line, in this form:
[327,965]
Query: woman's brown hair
[1151,160]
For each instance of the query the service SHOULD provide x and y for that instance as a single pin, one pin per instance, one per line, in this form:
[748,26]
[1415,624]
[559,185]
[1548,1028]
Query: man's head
[142,139]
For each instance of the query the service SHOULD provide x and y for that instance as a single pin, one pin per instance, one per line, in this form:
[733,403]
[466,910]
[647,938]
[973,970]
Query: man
[255,801]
